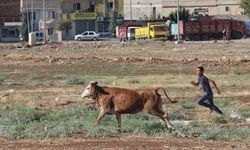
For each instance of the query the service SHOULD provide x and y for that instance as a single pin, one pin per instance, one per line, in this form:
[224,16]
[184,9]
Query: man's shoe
[214,108]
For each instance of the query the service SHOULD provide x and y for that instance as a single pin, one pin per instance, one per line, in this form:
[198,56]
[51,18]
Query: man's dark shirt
[203,80]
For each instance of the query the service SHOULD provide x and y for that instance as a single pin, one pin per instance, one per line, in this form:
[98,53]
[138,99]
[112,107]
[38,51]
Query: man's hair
[200,68]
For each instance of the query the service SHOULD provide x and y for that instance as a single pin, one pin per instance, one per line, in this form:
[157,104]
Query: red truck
[211,28]
[127,30]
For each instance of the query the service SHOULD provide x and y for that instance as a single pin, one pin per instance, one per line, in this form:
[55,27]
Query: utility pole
[32,14]
[178,23]
[130,7]
[27,17]
[44,30]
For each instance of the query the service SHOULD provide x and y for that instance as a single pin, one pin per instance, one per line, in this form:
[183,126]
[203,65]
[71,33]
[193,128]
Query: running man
[207,99]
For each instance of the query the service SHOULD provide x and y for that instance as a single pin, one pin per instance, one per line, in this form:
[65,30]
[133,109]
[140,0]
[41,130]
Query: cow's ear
[93,82]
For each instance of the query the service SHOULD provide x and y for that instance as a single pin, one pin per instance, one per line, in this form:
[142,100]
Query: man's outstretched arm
[194,83]
[212,81]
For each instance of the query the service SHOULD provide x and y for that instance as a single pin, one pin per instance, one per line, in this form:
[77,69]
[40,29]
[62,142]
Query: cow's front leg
[100,116]
[118,118]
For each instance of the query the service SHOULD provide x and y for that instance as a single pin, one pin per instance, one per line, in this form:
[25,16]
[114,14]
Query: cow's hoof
[170,128]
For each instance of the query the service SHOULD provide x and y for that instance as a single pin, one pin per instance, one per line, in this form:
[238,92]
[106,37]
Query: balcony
[80,16]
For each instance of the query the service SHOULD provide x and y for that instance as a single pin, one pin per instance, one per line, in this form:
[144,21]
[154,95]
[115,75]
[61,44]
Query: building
[10,20]
[213,7]
[105,10]
[92,15]
[142,10]
[41,14]
[154,9]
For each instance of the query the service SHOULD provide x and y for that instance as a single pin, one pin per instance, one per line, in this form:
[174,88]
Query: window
[50,31]
[226,8]
[5,32]
[85,33]
[53,15]
[91,33]
[76,6]
[109,6]
[34,15]
[10,32]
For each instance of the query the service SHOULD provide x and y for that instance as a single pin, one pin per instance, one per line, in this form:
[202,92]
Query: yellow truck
[153,30]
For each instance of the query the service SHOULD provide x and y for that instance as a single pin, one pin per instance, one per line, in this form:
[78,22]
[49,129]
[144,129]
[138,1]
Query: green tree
[245,4]
[112,22]
[183,15]
[65,25]
[24,28]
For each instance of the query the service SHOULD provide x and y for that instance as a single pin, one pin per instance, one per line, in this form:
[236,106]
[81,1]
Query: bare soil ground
[49,61]
[121,143]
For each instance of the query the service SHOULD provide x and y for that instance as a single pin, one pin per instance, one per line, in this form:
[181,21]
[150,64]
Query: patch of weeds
[26,122]
[237,72]
[195,124]
[210,134]
[226,133]
[133,82]
[233,85]
[178,116]
[152,128]
[20,114]
[48,83]
[37,83]
[11,82]
[220,120]
[2,78]
[216,72]
[245,112]
[104,132]
[33,96]
[187,104]
[60,77]
[35,77]
[75,81]
[34,80]
[225,102]
[140,116]
[33,83]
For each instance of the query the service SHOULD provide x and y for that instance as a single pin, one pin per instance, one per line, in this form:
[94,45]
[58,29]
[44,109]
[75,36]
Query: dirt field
[121,143]
[41,76]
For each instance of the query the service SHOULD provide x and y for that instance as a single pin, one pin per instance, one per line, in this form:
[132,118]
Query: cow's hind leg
[163,116]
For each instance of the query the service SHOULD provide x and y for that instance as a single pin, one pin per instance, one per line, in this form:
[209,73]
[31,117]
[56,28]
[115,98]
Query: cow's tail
[161,88]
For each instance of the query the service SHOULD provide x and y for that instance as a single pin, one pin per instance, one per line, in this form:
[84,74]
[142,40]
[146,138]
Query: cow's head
[90,90]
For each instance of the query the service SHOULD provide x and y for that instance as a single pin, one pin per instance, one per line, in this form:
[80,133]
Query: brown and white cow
[113,100]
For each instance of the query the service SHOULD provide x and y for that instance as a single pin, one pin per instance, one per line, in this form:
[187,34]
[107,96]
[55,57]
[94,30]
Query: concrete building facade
[41,14]
[10,20]
[142,10]
[151,9]
[214,7]
[91,15]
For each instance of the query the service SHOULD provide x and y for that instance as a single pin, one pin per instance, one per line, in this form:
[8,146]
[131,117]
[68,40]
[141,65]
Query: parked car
[87,35]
